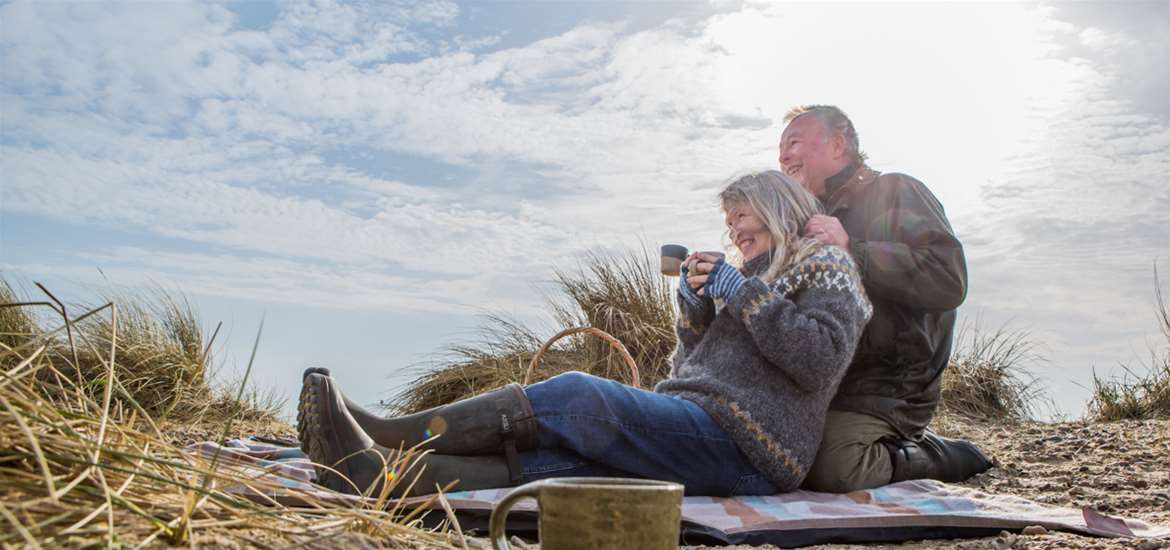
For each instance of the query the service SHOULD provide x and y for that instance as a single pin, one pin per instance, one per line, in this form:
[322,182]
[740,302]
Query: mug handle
[500,512]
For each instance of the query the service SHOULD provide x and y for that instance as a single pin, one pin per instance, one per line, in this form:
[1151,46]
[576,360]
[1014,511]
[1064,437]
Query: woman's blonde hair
[784,207]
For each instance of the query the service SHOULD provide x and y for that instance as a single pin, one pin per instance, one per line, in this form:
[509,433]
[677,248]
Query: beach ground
[1119,468]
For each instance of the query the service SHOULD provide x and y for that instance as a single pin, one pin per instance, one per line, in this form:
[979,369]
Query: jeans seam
[555,467]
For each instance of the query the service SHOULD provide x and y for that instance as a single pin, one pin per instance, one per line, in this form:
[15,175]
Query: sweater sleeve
[819,325]
[690,326]
[923,267]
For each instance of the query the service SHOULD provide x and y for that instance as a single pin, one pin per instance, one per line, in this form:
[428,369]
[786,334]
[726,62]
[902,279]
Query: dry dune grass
[623,295]
[90,411]
[1138,396]
[987,378]
[163,362]
[626,297]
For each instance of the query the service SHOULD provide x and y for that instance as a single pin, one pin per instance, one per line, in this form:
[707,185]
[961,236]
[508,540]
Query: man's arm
[923,267]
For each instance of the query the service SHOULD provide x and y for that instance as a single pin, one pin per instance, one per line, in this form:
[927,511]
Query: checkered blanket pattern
[921,508]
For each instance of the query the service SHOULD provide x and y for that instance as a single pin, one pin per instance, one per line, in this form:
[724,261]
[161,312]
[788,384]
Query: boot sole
[301,426]
[312,422]
[322,441]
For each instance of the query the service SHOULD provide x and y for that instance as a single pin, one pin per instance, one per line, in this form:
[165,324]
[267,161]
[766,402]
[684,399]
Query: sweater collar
[757,265]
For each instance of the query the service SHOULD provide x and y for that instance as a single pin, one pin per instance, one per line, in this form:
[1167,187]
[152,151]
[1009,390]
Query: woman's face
[748,231]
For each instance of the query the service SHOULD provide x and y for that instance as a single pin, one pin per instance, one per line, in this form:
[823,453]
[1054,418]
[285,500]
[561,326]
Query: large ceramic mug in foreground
[598,513]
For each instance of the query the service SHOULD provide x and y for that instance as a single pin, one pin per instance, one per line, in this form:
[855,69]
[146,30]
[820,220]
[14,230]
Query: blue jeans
[589,427]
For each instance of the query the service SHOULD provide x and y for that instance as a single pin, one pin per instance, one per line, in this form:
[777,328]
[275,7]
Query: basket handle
[613,342]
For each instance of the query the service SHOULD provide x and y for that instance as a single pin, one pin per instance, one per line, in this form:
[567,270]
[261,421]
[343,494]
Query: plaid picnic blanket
[909,510]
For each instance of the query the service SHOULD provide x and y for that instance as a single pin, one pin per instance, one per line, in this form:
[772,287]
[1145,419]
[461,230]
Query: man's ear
[838,144]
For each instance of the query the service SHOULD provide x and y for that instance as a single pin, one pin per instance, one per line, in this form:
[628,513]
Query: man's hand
[828,230]
[699,265]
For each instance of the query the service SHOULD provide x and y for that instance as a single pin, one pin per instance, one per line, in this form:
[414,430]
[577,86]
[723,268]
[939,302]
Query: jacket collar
[836,181]
[840,187]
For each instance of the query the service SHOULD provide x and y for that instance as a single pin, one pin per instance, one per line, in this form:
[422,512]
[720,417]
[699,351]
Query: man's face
[808,155]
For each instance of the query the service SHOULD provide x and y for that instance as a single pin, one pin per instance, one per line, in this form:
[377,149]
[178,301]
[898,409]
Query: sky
[370,178]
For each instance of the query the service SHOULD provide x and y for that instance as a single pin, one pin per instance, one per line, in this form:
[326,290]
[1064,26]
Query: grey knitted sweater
[766,363]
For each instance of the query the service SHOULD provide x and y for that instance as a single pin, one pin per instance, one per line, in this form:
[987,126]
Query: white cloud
[172,121]
[290,281]
[327,31]
[1099,39]
[198,208]
[230,178]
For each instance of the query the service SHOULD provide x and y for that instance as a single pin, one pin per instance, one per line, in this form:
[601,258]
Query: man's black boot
[935,457]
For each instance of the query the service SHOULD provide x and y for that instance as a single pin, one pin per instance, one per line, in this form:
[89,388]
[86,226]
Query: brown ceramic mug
[598,513]
[673,256]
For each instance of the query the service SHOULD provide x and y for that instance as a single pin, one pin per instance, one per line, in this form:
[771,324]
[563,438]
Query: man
[914,271]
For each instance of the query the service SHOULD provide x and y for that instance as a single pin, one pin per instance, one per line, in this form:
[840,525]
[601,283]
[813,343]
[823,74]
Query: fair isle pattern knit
[758,431]
[766,364]
[834,271]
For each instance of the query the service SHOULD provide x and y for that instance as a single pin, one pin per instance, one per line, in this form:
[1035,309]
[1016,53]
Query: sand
[1119,468]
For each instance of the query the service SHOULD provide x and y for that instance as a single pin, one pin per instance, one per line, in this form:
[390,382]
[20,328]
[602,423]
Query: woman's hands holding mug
[698,267]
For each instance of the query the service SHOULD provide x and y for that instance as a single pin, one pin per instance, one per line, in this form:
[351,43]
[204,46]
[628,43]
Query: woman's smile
[744,245]
[748,231]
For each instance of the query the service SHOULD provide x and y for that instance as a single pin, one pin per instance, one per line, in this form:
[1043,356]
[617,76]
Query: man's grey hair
[836,122]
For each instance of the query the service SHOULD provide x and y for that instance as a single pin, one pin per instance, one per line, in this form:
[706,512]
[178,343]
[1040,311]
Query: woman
[761,350]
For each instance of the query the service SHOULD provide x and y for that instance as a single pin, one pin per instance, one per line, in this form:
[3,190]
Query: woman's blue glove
[685,290]
[723,281]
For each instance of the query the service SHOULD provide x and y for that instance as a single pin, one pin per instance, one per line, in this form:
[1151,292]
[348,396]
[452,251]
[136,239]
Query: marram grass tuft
[623,295]
[1136,395]
[90,450]
[987,378]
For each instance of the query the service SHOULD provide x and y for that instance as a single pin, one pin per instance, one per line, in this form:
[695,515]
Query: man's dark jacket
[914,271]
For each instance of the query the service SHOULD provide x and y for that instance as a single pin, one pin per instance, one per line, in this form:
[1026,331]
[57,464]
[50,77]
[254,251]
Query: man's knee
[851,456]
[849,468]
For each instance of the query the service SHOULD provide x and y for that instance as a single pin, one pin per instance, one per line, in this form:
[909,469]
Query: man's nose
[783,157]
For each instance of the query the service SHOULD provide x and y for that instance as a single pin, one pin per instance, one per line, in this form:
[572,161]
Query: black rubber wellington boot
[498,421]
[936,457]
[367,420]
[347,460]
